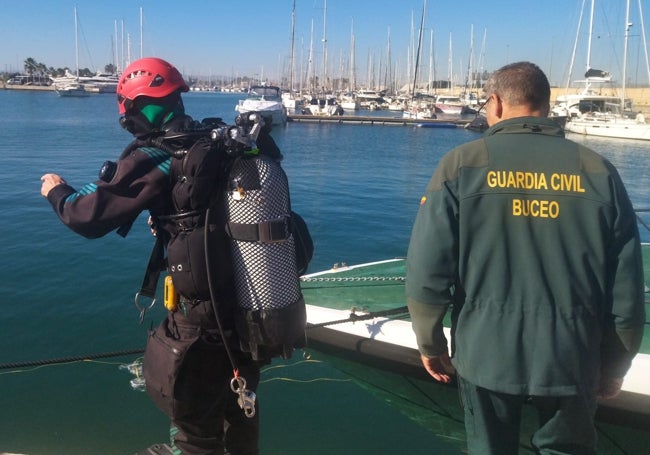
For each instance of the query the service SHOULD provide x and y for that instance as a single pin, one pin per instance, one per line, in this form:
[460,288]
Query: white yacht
[450,104]
[323,106]
[369,99]
[99,83]
[267,100]
[71,89]
[349,101]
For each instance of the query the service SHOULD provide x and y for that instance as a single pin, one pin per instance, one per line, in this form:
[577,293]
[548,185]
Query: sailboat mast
[575,46]
[293,34]
[389,67]
[628,24]
[469,80]
[310,62]
[324,81]
[430,82]
[591,29]
[353,81]
[76,45]
[450,63]
[410,54]
[116,49]
[417,56]
[645,43]
[141,38]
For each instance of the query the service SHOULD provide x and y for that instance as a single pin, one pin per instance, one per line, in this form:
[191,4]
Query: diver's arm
[103,206]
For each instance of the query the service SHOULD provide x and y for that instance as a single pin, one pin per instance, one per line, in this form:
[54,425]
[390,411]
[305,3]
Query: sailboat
[420,104]
[592,114]
[72,87]
[320,102]
[290,100]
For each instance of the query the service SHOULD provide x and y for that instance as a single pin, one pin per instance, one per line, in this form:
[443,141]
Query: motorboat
[349,102]
[98,83]
[587,101]
[323,106]
[418,113]
[370,99]
[267,100]
[71,89]
[451,105]
[291,101]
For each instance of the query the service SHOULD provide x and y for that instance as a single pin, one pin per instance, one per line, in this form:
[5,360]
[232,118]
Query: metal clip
[246,399]
[143,308]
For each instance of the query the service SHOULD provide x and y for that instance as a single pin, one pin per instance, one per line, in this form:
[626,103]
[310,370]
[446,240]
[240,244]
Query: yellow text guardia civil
[535,181]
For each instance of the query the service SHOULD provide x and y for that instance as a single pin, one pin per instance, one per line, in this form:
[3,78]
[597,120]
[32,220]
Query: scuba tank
[271,317]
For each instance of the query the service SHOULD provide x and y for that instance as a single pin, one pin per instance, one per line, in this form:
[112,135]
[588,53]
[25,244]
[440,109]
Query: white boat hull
[605,127]
[276,111]
[266,100]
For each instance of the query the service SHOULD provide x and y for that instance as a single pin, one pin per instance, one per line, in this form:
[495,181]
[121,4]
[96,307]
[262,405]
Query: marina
[73,329]
[379,120]
[358,187]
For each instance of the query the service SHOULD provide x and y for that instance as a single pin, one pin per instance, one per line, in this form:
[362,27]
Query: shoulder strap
[154,267]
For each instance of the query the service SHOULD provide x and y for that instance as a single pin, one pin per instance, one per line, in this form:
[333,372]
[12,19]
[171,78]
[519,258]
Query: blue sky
[253,37]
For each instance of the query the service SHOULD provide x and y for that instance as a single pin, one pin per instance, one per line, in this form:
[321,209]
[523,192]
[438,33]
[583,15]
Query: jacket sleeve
[432,261]
[625,323]
[100,207]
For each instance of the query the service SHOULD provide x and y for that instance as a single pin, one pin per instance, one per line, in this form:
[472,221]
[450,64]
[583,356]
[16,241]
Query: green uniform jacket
[533,240]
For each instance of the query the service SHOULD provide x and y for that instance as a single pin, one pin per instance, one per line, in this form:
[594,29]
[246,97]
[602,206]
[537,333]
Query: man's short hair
[520,83]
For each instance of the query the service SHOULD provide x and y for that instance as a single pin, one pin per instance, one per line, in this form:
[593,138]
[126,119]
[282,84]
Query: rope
[352,278]
[37,363]
[355,317]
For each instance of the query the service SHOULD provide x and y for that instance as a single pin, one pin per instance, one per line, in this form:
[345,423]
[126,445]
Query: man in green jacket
[532,240]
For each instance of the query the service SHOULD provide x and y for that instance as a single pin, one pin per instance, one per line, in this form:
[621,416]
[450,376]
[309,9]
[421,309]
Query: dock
[377,120]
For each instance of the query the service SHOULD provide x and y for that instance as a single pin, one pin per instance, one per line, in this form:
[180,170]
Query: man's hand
[439,367]
[49,182]
[609,387]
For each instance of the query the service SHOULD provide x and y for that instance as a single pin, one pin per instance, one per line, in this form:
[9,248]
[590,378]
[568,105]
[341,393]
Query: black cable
[213,294]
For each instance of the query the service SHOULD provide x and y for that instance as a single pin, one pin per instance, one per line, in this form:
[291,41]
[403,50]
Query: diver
[188,362]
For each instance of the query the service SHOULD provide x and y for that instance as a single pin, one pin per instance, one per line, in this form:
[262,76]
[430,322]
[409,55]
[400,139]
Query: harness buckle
[273,231]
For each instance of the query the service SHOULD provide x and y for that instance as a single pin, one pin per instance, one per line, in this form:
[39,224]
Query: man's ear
[498,107]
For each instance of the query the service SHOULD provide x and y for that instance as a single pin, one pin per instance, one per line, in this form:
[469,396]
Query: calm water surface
[358,186]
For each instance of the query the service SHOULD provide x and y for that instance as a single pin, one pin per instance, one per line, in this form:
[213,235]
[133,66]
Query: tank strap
[266,231]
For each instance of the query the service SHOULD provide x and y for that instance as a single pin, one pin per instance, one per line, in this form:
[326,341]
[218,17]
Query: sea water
[65,297]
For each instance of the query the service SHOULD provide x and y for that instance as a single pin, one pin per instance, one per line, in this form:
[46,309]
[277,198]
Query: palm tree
[30,66]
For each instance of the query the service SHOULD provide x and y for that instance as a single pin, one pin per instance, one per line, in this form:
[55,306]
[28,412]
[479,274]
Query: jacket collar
[542,125]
